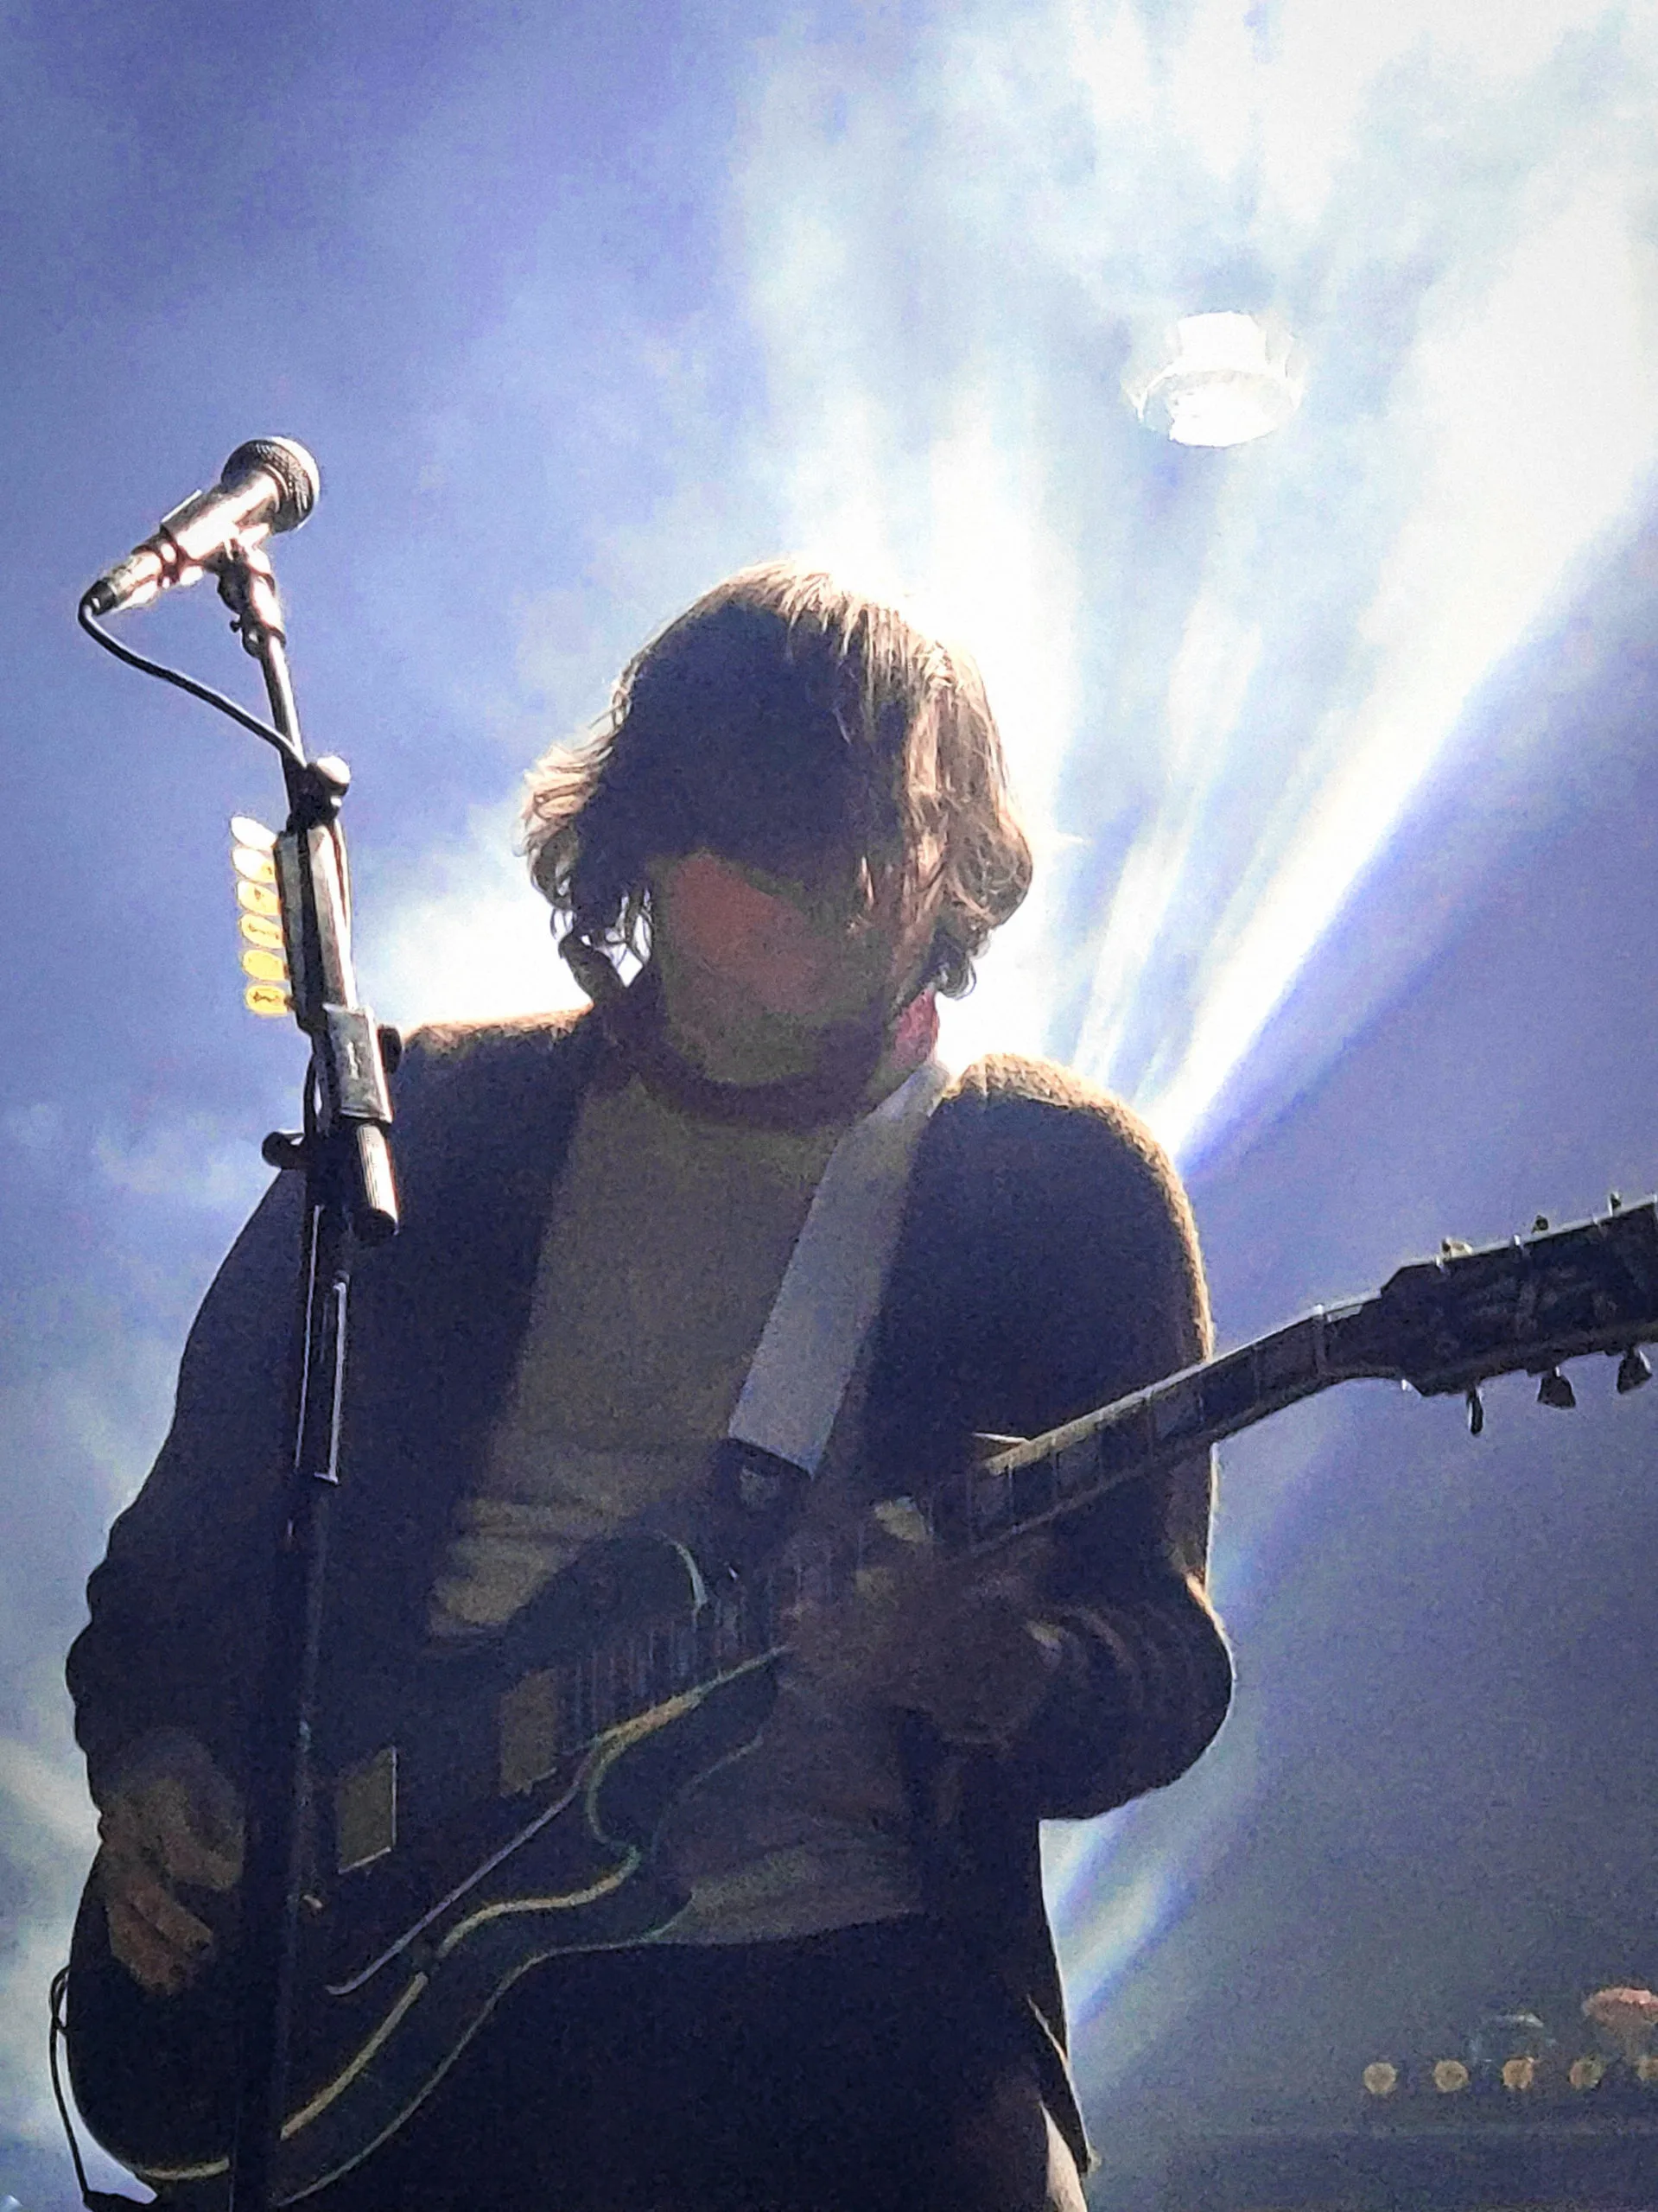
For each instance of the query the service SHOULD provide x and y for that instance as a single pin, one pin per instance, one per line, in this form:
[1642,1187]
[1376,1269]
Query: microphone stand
[350,1198]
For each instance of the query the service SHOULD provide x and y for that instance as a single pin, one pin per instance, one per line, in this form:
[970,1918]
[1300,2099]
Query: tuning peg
[1538,1226]
[1476,1413]
[1554,1390]
[1615,1202]
[1633,1369]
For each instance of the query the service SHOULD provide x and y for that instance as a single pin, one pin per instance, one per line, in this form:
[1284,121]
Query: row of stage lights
[1514,2052]
[1451,2077]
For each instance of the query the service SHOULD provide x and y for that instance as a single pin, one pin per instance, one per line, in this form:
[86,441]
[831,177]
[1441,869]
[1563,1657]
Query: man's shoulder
[1031,1101]
[506,1040]
[445,1055]
[515,1076]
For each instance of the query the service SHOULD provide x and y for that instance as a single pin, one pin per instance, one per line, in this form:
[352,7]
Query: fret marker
[903,1519]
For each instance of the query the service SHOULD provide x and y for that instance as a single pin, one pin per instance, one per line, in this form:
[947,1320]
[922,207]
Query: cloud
[459,933]
[189,1161]
[49,1833]
[36,1130]
[1538,420]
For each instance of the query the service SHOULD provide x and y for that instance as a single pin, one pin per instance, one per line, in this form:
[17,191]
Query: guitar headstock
[1450,1323]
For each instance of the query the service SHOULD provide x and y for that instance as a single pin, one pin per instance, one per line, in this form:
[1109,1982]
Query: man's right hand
[169,1820]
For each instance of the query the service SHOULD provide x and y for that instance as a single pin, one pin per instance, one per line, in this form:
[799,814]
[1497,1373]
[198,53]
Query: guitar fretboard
[1030,1484]
[1016,1491]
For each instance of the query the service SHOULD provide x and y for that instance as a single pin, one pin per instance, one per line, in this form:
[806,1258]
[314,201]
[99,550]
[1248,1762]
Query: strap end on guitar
[757,1496]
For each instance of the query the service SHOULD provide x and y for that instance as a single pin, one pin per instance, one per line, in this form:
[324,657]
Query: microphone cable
[95,630]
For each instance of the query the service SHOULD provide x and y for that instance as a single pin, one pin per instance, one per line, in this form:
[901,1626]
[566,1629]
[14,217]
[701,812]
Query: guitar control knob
[1554,1390]
[1476,1413]
[1633,1369]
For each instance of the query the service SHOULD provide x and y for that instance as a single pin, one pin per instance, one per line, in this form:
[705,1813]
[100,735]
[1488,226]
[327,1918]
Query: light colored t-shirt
[667,1242]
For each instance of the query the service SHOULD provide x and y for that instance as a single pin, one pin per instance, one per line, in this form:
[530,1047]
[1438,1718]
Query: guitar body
[403,1954]
[484,1812]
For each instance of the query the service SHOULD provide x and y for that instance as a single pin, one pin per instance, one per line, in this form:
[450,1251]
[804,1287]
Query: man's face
[745,937]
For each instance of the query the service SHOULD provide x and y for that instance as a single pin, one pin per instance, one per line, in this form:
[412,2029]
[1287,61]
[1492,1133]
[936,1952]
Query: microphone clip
[247,584]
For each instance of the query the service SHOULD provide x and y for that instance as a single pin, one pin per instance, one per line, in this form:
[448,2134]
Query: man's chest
[667,1241]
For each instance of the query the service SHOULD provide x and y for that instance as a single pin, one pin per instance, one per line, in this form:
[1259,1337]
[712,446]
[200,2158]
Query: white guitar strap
[831,1289]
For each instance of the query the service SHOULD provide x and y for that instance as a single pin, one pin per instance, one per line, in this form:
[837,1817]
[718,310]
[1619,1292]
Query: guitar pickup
[365,1811]
[528,1718]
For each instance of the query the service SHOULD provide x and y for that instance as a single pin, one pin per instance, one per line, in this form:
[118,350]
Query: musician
[796,820]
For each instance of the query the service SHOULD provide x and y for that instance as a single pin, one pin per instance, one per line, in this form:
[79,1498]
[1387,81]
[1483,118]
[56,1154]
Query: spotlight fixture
[1227,378]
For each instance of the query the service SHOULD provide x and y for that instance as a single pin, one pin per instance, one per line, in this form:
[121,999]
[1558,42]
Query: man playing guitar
[795,819]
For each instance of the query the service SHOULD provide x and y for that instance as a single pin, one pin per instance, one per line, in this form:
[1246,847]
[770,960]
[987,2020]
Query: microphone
[269,485]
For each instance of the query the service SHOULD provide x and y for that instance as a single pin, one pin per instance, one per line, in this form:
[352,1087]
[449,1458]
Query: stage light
[1228,380]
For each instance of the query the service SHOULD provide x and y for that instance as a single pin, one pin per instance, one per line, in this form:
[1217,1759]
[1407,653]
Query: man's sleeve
[1094,1288]
[178,1605]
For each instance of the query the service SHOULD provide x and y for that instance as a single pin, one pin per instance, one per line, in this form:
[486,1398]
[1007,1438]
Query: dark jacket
[1045,1264]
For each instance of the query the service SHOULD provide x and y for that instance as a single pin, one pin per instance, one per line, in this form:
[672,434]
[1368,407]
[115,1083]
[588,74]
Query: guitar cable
[96,2200]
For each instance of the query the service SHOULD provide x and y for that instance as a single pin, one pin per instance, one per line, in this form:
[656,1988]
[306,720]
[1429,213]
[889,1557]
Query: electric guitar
[504,1806]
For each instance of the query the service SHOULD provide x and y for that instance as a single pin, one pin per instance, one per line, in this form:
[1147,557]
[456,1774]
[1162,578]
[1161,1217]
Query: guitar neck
[1442,1324]
[1445,1324]
[1035,1481]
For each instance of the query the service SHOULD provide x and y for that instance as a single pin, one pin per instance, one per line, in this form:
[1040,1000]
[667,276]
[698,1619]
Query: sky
[1333,746]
